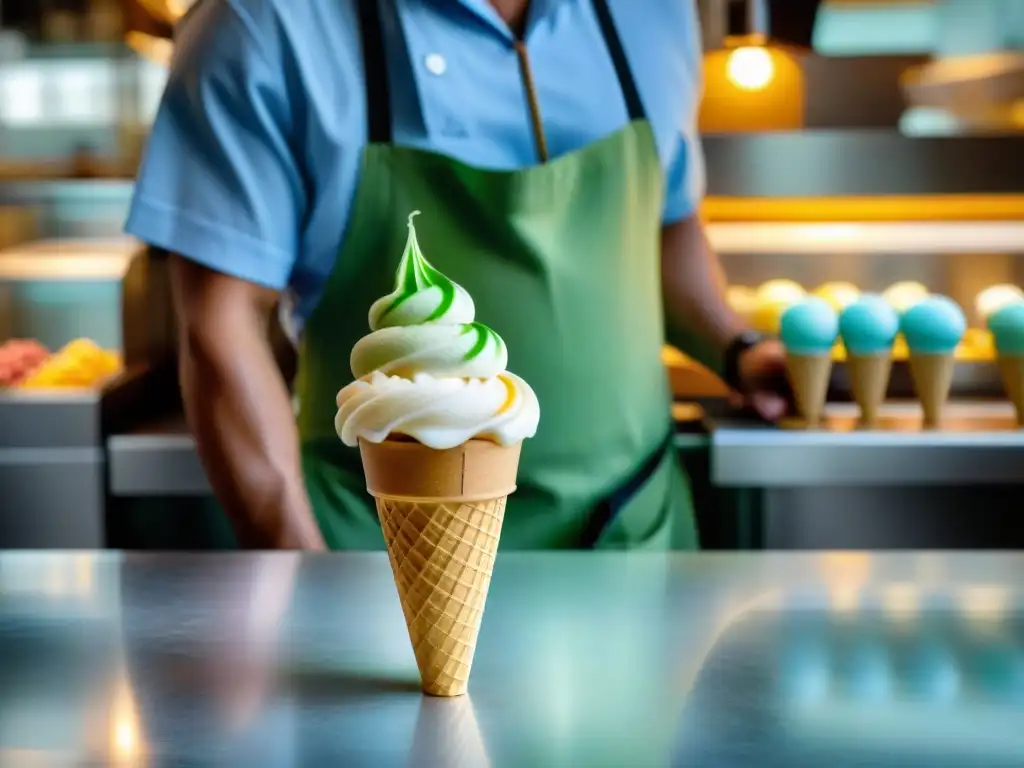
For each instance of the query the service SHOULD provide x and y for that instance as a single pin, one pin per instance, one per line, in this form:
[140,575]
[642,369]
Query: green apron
[563,260]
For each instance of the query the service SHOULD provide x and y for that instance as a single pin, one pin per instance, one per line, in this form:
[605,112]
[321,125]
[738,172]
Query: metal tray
[970,417]
[971,380]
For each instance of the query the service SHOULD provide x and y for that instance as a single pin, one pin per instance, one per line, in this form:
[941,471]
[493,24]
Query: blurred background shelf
[835,149]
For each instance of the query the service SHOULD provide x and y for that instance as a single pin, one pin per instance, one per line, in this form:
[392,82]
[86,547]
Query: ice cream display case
[932,229]
[929,266]
[80,329]
[903,341]
[929,279]
[773,266]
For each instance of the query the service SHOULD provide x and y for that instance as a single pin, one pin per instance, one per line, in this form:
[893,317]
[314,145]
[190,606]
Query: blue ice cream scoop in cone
[933,329]
[1007,327]
[869,327]
[809,331]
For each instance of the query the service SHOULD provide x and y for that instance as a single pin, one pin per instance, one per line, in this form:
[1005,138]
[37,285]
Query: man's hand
[762,372]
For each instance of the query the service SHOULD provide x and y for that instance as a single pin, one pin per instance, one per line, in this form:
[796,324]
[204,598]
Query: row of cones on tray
[441,513]
[809,377]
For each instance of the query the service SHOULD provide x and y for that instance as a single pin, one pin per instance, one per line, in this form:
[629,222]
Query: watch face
[747,340]
[753,338]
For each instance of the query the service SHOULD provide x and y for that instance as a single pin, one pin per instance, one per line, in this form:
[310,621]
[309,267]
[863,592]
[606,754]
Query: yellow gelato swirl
[429,371]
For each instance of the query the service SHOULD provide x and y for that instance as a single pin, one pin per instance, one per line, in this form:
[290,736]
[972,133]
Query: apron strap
[622,69]
[606,511]
[375,72]
[375,68]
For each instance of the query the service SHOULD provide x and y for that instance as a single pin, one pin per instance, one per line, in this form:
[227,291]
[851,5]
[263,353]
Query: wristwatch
[731,358]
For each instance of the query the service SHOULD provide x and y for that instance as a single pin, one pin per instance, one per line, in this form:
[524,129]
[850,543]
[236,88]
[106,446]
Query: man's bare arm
[239,409]
[700,320]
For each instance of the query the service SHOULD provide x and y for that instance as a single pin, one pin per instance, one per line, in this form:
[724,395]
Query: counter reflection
[885,676]
[448,734]
[203,644]
[231,663]
[47,577]
[62,695]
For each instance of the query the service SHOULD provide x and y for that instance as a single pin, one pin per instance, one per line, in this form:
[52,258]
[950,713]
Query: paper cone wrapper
[809,377]
[441,514]
[933,379]
[869,380]
[1012,371]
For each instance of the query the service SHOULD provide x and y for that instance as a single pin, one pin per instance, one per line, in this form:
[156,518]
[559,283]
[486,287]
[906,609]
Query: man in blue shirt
[552,147]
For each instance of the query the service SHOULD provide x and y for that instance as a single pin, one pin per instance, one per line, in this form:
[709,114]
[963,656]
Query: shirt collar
[539,10]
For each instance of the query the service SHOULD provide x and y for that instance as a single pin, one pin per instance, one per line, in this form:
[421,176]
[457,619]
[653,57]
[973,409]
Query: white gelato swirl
[396,309]
[440,413]
[429,371]
[440,350]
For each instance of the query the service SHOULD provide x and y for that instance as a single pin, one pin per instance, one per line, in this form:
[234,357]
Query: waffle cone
[869,380]
[1012,370]
[933,379]
[809,377]
[441,514]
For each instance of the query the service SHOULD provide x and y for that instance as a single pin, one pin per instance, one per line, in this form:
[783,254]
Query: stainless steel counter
[979,444]
[51,450]
[979,447]
[157,459]
[839,488]
[898,487]
[160,459]
[584,659]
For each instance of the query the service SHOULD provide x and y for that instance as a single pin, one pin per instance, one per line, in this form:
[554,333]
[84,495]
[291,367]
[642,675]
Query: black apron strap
[605,513]
[376,81]
[619,60]
[375,72]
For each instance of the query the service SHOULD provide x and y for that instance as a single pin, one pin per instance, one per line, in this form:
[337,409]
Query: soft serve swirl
[429,371]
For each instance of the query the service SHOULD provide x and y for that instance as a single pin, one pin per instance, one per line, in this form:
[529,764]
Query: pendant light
[751,83]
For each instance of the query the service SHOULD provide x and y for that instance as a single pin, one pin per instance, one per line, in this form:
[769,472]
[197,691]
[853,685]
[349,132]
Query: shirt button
[436,64]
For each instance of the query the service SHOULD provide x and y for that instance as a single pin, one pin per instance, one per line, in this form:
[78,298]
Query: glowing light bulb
[750,68]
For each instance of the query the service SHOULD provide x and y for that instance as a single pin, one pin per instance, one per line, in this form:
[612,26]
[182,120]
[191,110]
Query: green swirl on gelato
[427,325]
[415,277]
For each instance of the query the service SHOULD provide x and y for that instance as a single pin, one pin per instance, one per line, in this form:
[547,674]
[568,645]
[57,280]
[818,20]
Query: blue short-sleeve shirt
[254,155]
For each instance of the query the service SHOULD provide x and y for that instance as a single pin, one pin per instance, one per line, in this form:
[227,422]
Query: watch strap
[731,358]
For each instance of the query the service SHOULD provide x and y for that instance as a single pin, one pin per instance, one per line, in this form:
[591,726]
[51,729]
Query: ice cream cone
[441,513]
[809,377]
[869,379]
[1012,369]
[933,378]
